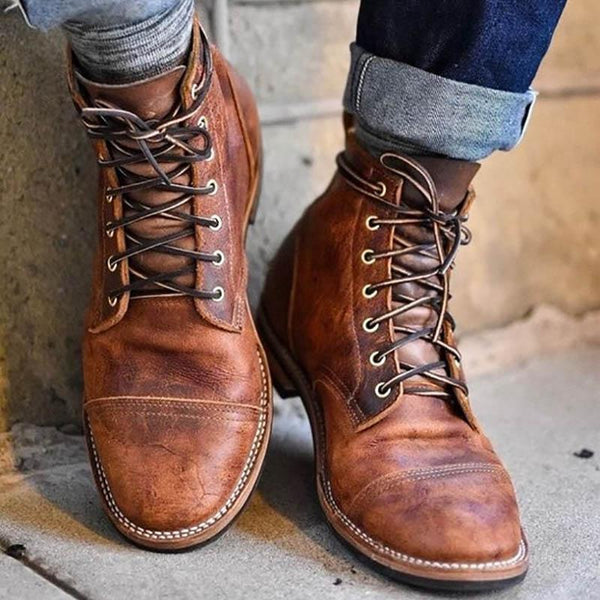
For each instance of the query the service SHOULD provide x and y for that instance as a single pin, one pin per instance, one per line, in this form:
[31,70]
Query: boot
[177,403]
[355,319]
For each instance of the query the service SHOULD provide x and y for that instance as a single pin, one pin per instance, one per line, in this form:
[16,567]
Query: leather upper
[410,471]
[177,393]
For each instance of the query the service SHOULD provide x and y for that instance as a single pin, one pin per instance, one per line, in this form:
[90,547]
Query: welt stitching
[520,555]
[188,531]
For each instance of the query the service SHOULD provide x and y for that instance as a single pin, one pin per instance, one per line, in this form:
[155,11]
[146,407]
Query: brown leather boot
[177,406]
[355,318]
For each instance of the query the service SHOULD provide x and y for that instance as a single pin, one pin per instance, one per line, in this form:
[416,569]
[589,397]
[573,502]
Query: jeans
[447,77]
[495,44]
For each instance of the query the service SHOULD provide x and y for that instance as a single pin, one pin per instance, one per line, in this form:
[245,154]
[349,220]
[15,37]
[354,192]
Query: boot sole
[290,381]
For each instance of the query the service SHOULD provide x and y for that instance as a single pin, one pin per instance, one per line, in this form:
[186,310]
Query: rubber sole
[290,381]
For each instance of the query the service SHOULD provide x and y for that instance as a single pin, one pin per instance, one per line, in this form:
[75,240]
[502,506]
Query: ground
[542,415]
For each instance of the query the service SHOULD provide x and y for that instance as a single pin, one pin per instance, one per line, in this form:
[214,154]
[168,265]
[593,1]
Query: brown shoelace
[448,234]
[132,140]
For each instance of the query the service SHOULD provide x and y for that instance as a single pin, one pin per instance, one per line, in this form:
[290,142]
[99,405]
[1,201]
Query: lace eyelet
[376,359]
[221,293]
[371,226]
[369,326]
[220,258]
[109,232]
[211,156]
[367,257]
[369,292]
[215,187]
[203,122]
[382,189]
[112,300]
[380,392]
[194,91]
[109,198]
[219,223]
[112,266]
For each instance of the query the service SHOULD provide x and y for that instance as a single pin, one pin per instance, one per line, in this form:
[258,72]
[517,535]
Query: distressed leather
[410,480]
[177,403]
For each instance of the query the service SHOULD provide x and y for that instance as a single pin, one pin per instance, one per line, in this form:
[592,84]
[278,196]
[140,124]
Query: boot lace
[132,140]
[448,233]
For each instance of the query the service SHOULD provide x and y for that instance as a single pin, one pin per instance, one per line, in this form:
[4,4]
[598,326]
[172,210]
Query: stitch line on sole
[413,560]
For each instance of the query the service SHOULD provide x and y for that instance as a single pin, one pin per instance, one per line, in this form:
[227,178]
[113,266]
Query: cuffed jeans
[448,77]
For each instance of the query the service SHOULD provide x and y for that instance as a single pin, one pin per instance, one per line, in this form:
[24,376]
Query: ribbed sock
[132,51]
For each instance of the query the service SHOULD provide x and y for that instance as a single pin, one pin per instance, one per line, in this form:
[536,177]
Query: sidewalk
[539,414]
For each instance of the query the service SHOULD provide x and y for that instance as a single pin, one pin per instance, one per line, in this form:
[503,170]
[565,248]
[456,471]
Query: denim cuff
[398,106]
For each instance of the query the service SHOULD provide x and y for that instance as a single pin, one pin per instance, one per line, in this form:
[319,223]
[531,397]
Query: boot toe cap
[173,473]
[466,516]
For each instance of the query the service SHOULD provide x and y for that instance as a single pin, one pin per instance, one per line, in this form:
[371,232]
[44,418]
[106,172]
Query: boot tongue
[151,98]
[451,177]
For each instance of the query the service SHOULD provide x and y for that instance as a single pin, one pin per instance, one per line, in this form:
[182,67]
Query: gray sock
[129,51]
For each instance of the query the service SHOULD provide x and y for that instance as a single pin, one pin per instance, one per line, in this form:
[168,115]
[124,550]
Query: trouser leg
[447,77]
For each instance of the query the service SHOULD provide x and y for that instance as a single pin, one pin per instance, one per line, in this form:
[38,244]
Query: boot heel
[283,384]
[281,380]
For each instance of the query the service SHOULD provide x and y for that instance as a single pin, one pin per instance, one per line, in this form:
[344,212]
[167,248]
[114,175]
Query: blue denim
[447,77]
[496,44]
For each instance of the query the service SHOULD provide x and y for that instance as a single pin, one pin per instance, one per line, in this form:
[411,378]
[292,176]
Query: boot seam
[392,480]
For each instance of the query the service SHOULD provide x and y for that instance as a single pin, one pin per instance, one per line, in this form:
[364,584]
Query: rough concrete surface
[539,415]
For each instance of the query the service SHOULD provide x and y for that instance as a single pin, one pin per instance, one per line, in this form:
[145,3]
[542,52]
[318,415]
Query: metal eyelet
[203,122]
[109,232]
[365,257]
[112,300]
[220,258]
[215,187]
[380,393]
[194,91]
[211,156]
[219,224]
[369,326]
[109,198]
[382,189]
[369,292]
[370,225]
[112,266]
[376,359]
[218,290]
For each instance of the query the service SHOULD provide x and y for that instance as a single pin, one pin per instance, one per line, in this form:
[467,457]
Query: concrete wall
[535,221]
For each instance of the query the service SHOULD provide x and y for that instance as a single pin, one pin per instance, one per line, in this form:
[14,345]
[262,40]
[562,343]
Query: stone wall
[535,222]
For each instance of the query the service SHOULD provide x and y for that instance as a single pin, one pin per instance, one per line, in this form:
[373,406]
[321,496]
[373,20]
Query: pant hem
[397,104]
